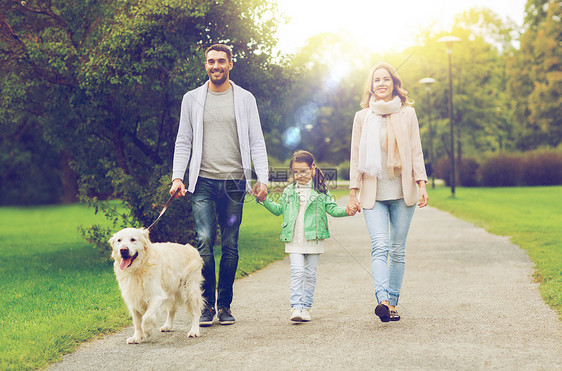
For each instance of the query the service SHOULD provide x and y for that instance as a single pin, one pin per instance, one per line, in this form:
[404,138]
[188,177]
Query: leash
[165,208]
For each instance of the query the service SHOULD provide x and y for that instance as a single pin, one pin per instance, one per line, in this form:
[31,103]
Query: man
[219,136]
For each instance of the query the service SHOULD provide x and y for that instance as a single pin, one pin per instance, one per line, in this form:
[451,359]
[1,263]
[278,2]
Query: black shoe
[226,317]
[207,316]
[394,316]
[383,312]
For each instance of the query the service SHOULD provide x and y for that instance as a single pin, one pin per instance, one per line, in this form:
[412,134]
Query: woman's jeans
[388,247]
[303,279]
[220,200]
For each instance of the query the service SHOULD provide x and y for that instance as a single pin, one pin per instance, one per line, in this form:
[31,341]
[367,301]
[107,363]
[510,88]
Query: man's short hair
[220,48]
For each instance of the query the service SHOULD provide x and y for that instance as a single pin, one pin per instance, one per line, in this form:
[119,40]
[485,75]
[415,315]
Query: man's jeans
[388,276]
[223,199]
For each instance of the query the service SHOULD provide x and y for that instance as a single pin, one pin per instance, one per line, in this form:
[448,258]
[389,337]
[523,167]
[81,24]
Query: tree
[545,101]
[535,77]
[481,116]
[37,51]
[107,78]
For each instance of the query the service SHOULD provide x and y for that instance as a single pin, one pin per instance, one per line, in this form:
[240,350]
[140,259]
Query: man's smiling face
[218,67]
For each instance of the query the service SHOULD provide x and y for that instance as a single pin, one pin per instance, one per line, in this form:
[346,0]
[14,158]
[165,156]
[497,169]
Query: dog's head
[129,245]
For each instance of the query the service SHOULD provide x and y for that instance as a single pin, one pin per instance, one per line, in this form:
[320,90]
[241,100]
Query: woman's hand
[353,205]
[424,197]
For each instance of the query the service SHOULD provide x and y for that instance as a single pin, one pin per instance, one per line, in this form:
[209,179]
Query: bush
[501,171]
[30,171]
[467,172]
[442,170]
[542,168]
[343,170]
[144,202]
[537,168]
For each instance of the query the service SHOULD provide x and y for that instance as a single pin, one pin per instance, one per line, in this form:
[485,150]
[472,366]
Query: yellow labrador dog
[156,275]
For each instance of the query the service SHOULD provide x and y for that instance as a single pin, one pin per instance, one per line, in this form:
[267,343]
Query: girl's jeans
[303,279]
[388,276]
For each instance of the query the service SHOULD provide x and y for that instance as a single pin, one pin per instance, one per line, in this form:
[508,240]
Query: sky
[384,25]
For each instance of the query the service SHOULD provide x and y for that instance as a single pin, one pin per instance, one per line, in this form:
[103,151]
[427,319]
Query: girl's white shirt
[299,244]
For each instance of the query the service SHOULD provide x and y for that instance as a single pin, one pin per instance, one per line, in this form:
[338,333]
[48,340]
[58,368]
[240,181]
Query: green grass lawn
[57,291]
[530,215]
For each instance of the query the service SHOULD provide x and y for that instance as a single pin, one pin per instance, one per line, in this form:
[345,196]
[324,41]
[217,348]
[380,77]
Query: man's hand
[177,183]
[259,191]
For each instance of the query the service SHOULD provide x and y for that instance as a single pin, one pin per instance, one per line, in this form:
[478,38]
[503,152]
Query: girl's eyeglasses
[301,172]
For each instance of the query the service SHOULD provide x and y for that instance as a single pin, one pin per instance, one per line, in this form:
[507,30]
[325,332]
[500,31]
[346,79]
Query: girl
[387,166]
[304,205]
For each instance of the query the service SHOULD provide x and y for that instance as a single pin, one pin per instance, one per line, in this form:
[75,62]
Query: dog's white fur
[166,275]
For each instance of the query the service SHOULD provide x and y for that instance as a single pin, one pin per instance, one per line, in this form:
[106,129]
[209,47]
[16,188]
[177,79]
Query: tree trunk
[69,179]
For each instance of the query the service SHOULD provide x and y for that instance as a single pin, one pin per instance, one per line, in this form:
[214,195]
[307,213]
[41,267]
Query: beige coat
[406,128]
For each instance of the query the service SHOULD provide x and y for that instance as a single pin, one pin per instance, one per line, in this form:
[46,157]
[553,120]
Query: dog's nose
[124,253]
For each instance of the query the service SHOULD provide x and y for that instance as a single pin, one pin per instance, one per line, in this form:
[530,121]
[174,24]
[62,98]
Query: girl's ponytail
[320,181]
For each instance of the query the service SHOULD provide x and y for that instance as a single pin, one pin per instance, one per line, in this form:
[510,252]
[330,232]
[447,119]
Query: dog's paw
[148,326]
[135,339]
[193,334]
[165,328]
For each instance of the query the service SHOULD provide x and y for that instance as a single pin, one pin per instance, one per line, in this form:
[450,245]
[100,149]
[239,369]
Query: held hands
[353,206]
[259,191]
[177,183]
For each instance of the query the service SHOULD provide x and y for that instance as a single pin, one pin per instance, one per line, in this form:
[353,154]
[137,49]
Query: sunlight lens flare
[292,137]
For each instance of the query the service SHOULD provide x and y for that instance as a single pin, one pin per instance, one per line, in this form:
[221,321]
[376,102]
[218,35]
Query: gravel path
[468,302]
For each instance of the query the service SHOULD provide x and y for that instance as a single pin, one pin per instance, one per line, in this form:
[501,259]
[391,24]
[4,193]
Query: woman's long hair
[318,179]
[396,80]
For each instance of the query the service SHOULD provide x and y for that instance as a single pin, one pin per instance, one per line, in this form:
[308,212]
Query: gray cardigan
[189,141]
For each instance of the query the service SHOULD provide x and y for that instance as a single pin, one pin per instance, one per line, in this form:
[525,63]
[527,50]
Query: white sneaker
[305,315]
[296,315]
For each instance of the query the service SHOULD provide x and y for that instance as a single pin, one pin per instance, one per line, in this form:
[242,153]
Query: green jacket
[315,219]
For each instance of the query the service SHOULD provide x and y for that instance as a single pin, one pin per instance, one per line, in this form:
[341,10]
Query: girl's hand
[351,209]
[424,197]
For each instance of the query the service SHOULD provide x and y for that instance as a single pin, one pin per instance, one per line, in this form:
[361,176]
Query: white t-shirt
[299,244]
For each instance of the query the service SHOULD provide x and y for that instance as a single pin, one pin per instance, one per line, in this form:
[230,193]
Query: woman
[387,167]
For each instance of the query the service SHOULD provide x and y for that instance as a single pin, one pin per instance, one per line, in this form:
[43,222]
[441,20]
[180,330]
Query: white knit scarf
[370,160]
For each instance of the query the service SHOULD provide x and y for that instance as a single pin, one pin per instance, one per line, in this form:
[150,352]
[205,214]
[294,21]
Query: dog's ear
[112,241]
[145,237]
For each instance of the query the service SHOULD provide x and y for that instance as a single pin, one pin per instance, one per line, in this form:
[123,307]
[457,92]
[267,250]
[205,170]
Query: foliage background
[91,93]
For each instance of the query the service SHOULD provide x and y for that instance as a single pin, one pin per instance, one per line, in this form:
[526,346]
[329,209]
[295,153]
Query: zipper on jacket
[316,224]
